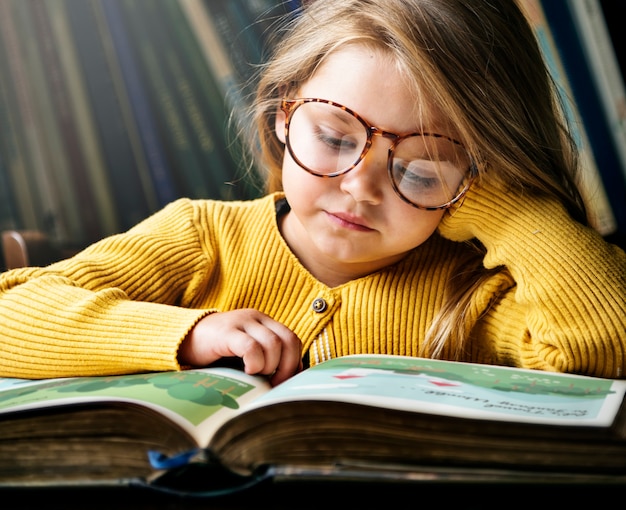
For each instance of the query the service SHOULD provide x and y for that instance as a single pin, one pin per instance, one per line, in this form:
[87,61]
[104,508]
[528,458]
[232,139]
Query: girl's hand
[266,347]
[478,213]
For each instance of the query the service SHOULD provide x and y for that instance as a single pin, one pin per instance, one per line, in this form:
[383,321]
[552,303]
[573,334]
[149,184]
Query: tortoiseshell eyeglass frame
[289,106]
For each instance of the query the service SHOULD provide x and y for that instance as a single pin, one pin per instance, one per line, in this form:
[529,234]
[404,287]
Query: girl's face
[345,227]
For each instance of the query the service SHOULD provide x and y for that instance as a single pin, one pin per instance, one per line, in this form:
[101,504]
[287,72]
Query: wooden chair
[23,248]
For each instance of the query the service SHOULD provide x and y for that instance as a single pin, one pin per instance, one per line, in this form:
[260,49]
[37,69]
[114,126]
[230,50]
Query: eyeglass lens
[426,170]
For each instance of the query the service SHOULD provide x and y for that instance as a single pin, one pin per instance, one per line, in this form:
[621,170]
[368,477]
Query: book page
[457,389]
[197,400]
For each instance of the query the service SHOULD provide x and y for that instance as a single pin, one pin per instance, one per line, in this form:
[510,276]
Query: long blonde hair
[479,62]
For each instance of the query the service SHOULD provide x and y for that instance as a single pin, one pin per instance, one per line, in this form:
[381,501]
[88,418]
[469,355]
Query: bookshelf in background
[133,196]
[600,54]
[152,55]
[82,116]
[112,108]
[594,192]
[71,165]
[576,39]
[15,190]
[26,166]
[232,45]
[148,130]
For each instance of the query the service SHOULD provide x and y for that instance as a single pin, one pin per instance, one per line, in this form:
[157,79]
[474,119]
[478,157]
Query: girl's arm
[567,311]
[107,310]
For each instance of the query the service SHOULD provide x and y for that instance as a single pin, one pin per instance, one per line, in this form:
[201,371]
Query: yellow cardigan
[125,303]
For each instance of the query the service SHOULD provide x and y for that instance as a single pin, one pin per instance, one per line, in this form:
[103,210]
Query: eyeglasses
[428,170]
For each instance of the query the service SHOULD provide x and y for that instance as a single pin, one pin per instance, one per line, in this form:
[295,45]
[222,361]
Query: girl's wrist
[507,221]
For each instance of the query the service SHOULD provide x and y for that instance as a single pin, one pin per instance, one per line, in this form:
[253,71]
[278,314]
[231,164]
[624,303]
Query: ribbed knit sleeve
[568,309]
[125,303]
[109,309]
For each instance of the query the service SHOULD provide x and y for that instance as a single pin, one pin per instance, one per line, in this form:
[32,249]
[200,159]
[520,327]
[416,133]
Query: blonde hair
[476,61]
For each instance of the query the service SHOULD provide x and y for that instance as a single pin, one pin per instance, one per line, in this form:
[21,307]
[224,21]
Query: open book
[361,417]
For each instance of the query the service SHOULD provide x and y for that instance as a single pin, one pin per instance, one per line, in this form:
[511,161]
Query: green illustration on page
[446,388]
[190,393]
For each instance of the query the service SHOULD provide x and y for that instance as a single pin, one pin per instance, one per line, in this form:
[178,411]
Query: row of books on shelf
[588,52]
[577,45]
[109,109]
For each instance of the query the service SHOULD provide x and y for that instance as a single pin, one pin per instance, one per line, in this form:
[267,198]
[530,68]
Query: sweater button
[319,305]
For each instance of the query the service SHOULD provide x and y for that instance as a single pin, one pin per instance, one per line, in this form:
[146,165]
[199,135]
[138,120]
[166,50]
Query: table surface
[316,495]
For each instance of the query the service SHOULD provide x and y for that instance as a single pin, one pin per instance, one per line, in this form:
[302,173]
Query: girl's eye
[415,175]
[335,140]
[425,182]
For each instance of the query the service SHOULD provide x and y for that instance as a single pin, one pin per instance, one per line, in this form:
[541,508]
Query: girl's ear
[280,125]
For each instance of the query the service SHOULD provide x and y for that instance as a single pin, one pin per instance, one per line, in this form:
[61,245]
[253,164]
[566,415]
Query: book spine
[83,117]
[216,55]
[568,43]
[18,185]
[213,48]
[263,15]
[593,190]
[44,199]
[120,157]
[8,211]
[240,18]
[241,46]
[205,106]
[252,22]
[75,182]
[605,70]
[157,160]
[258,17]
[128,117]
[68,219]
[153,47]
[231,32]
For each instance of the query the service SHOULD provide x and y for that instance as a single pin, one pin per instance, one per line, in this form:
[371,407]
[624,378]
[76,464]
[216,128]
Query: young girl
[423,203]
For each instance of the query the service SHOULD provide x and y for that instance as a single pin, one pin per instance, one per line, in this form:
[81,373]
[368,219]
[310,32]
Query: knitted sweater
[125,303]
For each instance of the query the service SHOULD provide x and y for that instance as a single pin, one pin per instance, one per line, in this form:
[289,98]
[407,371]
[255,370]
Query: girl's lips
[349,221]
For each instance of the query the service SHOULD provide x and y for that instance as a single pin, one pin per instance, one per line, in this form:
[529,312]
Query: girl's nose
[366,182]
